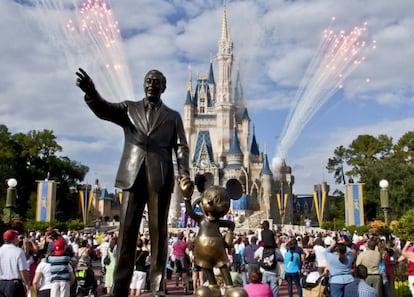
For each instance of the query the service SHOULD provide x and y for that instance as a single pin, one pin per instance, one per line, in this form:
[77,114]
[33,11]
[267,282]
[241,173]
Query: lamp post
[11,196]
[385,205]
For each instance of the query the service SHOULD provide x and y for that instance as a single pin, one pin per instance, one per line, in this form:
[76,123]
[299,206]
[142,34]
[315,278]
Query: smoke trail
[338,55]
[89,36]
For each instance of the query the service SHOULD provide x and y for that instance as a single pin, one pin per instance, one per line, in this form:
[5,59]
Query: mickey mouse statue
[210,245]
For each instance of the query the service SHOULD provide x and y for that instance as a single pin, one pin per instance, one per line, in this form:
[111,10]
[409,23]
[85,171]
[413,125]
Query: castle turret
[245,127]
[266,176]
[235,154]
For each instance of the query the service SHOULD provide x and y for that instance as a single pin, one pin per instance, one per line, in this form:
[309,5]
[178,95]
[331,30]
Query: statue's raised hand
[84,82]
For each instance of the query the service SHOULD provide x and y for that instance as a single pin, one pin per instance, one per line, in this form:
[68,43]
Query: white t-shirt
[103,249]
[319,255]
[12,261]
[75,247]
[46,279]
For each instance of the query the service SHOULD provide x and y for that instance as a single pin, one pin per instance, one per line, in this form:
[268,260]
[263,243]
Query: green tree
[336,164]
[405,226]
[33,156]
[370,159]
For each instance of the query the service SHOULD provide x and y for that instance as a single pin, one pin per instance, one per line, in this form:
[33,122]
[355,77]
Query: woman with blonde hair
[109,274]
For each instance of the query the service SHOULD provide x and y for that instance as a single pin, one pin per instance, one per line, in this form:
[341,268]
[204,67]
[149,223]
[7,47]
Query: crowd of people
[53,263]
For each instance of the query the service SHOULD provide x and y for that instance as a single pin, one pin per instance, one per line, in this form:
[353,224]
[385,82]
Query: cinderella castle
[224,151]
[223,145]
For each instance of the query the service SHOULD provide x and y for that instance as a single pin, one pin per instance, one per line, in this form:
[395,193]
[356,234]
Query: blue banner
[46,200]
[354,205]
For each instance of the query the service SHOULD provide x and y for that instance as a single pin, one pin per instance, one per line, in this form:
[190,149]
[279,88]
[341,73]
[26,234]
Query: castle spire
[225,36]
[266,168]
[235,145]
[190,80]
[254,149]
[238,90]
[188,99]
[224,63]
[211,74]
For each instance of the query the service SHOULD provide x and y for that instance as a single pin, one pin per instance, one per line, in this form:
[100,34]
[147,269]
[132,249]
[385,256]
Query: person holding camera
[339,259]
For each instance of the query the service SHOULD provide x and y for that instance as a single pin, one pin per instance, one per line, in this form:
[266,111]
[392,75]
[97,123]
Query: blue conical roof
[235,145]
[245,115]
[254,149]
[211,75]
[188,98]
[266,168]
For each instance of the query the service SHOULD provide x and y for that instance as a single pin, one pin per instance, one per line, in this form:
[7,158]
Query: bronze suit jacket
[151,145]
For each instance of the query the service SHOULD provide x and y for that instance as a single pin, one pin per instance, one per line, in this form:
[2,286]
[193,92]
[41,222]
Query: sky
[274,43]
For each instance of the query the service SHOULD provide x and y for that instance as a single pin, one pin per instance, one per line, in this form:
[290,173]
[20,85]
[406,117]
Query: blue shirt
[248,254]
[292,265]
[339,272]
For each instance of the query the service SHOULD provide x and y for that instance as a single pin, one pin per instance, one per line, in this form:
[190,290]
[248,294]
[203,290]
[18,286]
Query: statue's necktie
[150,113]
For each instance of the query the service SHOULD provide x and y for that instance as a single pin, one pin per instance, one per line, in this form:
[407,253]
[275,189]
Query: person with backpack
[269,256]
[62,275]
[292,269]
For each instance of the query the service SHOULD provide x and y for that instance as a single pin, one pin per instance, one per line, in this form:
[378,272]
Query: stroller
[85,282]
[315,285]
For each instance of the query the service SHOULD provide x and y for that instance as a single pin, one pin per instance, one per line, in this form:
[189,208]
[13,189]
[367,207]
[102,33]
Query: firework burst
[338,55]
[89,36]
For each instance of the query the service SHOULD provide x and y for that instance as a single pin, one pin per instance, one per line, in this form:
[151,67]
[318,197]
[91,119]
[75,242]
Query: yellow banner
[279,203]
[282,205]
[82,200]
[319,207]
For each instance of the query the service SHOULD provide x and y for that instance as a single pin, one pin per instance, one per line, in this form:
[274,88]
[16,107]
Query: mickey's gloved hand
[186,187]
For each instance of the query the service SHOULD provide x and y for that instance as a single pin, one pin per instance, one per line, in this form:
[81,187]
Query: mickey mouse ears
[234,188]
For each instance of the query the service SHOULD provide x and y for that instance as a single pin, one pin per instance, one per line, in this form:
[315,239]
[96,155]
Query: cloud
[273,44]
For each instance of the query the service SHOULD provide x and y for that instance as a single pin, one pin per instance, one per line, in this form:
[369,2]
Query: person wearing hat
[62,272]
[14,270]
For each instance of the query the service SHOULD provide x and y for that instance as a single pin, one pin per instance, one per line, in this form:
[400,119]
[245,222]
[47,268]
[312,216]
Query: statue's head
[215,202]
[155,84]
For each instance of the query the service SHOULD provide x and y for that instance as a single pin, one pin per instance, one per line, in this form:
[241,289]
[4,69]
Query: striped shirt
[59,267]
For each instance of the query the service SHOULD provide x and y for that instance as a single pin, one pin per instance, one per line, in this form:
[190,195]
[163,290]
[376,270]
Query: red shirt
[411,267]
